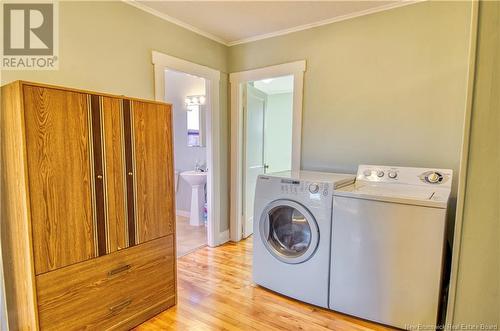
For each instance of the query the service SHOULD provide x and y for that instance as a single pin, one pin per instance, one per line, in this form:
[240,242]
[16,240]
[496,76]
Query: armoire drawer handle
[130,173]
[118,270]
[119,307]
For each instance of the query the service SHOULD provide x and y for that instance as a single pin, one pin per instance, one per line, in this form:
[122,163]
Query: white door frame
[464,161]
[162,62]
[292,68]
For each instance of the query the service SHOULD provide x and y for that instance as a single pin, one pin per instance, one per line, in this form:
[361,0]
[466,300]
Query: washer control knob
[433,177]
[314,188]
[392,174]
[367,173]
[380,173]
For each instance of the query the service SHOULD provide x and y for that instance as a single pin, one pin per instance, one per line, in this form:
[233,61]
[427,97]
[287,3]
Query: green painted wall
[106,47]
[477,296]
[385,88]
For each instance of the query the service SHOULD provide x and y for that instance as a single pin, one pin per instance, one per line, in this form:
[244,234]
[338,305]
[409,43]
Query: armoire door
[58,146]
[153,162]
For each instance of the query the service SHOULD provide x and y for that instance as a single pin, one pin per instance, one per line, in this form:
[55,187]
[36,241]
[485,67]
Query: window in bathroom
[195,120]
[193,125]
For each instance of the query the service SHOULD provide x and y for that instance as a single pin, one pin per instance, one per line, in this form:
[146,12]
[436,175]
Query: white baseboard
[183,213]
[223,237]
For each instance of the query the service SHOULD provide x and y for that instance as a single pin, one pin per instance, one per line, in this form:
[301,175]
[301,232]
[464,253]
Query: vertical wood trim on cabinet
[114,169]
[92,177]
[15,214]
[154,174]
[105,173]
[58,158]
[99,189]
[129,170]
[127,239]
[134,170]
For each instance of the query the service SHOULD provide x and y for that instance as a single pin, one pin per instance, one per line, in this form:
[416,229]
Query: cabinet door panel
[58,149]
[152,130]
[114,173]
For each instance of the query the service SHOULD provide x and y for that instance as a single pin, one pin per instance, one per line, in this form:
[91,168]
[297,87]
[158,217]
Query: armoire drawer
[110,292]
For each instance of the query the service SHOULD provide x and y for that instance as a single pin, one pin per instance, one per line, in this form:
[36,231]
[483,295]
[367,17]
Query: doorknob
[266,166]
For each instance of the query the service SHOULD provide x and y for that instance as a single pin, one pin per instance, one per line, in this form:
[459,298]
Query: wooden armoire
[88,220]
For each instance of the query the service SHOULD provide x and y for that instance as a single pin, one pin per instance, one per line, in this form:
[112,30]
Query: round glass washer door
[289,231]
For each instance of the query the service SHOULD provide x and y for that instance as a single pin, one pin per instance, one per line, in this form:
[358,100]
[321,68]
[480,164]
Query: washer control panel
[405,175]
[313,188]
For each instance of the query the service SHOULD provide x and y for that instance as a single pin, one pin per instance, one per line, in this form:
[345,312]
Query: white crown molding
[271,34]
[324,22]
[175,21]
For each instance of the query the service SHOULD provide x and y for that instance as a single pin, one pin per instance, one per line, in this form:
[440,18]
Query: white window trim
[162,62]
[296,69]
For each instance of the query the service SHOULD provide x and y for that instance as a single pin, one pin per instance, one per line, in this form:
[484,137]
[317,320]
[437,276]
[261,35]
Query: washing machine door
[289,231]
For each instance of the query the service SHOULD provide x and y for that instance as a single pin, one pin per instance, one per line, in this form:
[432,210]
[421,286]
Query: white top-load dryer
[292,226]
[387,245]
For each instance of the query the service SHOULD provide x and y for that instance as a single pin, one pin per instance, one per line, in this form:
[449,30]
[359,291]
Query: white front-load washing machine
[387,245]
[292,225]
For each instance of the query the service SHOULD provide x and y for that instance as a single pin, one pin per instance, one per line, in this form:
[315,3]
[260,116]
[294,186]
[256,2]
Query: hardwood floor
[215,292]
[189,237]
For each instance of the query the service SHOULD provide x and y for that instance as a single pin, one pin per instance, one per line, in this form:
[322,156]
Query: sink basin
[194,178]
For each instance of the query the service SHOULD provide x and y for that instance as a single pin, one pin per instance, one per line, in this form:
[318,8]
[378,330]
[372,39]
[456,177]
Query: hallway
[189,238]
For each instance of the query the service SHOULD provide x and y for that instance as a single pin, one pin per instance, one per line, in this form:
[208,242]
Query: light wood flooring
[189,237]
[216,293]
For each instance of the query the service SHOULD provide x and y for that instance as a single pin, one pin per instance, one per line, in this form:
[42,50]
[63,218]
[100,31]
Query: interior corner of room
[413,85]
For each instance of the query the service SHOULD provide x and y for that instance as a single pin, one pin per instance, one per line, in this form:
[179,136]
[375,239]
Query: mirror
[195,120]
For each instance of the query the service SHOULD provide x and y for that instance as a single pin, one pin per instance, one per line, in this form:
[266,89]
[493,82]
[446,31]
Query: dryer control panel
[405,175]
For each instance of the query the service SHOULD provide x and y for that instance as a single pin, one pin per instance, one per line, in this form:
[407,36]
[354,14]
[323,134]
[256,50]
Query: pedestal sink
[197,180]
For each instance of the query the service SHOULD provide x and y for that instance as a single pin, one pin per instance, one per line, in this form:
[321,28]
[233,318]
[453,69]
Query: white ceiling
[235,22]
[275,85]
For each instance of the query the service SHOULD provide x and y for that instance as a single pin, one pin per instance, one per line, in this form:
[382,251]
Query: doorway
[197,111]
[266,121]
[187,94]
[267,125]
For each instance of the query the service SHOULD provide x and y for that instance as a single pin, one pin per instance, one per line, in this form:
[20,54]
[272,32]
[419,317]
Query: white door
[255,102]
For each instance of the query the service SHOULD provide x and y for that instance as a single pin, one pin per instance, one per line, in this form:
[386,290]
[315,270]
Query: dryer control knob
[380,173]
[367,173]
[433,177]
[392,174]
[314,188]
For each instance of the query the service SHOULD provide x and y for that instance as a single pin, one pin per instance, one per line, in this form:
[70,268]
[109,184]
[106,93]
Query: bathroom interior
[187,93]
